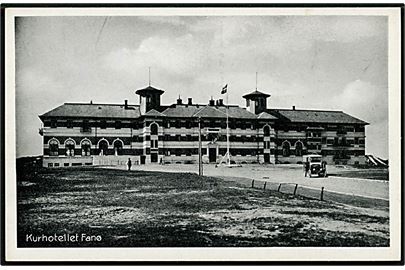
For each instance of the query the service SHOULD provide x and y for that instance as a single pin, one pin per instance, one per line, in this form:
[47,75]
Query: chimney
[179,101]
[293,108]
[190,101]
[211,102]
[126,104]
[91,101]
[220,102]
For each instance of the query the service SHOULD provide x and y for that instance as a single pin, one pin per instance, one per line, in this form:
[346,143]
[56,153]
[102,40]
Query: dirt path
[285,174]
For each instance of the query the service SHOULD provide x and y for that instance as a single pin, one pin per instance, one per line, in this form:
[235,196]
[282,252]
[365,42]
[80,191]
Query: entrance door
[153,157]
[212,154]
[143,158]
[266,158]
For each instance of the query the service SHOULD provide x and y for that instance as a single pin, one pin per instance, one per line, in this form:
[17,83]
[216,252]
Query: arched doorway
[53,147]
[286,149]
[153,129]
[86,148]
[118,147]
[298,148]
[266,131]
[103,147]
[70,147]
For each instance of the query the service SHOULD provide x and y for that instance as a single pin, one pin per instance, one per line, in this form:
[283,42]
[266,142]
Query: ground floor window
[298,148]
[70,148]
[85,148]
[53,148]
[118,148]
[103,147]
[286,149]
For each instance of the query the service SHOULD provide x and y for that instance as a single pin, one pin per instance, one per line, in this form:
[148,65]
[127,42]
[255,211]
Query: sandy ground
[284,174]
[154,209]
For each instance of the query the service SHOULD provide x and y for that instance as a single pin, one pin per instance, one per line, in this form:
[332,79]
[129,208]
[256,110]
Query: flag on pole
[224,89]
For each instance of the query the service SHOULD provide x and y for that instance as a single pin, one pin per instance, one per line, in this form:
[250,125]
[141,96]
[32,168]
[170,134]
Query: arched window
[266,131]
[286,149]
[298,148]
[86,148]
[53,147]
[153,129]
[70,148]
[118,147]
[103,147]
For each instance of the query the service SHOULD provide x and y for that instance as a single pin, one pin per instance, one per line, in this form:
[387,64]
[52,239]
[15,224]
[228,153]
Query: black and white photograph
[203,134]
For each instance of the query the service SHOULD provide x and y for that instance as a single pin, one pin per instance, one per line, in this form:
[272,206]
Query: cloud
[365,100]
[283,34]
[313,62]
[179,55]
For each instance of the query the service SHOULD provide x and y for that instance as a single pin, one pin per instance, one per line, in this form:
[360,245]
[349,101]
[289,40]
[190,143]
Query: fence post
[264,187]
[253,183]
[295,189]
[279,187]
[322,193]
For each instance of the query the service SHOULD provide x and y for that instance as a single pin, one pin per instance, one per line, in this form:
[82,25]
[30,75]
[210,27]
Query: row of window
[57,164]
[286,152]
[103,124]
[326,127]
[86,127]
[221,151]
[85,147]
[337,141]
[342,141]
[84,124]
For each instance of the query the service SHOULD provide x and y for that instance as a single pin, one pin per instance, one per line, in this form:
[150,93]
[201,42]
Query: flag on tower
[224,89]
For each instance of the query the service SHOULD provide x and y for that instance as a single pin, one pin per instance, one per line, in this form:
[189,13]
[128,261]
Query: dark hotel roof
[200,110]
[94,110]
[315,116]
[207,111]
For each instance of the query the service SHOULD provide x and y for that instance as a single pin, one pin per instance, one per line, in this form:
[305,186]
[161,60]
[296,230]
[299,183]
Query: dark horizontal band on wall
[160,151]
[192,123]
[167,138]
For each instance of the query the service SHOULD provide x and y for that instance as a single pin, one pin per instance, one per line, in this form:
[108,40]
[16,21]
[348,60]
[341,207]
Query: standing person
[129,163]
[306,167]
[324,168]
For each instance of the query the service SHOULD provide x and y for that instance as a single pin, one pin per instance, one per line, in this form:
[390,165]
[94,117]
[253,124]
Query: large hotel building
[76,134]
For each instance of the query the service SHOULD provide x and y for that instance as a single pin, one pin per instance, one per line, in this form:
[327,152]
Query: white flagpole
[228,158]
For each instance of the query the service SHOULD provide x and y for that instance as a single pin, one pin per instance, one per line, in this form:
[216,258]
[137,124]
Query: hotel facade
[78,134]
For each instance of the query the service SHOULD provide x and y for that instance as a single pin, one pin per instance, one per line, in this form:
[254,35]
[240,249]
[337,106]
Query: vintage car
[315,165]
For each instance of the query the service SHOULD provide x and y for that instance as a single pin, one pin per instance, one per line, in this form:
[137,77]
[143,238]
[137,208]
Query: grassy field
[151,209]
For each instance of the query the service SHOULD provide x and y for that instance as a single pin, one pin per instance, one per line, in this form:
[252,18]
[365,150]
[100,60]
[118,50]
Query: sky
[311,62]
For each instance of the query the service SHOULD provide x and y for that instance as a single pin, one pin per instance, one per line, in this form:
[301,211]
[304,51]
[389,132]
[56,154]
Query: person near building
[306,168]
[129,163]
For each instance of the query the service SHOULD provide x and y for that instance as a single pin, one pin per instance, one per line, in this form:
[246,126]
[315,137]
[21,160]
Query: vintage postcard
[202,134]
